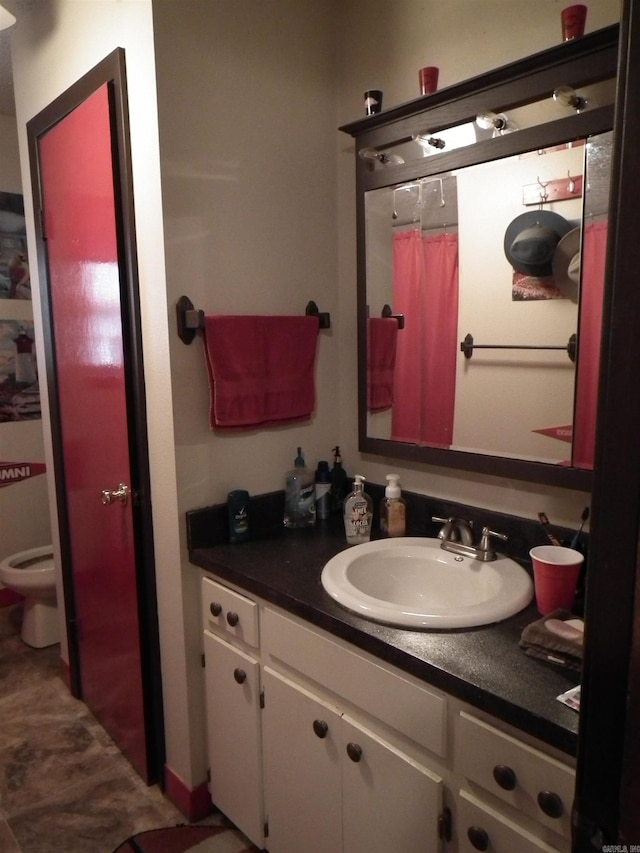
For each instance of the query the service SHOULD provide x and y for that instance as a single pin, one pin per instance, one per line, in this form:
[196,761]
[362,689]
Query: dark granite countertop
[482,666]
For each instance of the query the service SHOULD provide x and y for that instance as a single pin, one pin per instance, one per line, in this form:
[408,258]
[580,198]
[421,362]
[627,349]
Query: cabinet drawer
[409,708]
[227,612]
[522,776]
[482,828]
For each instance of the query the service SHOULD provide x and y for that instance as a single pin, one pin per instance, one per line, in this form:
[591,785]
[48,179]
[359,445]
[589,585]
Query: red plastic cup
[555,576]
[573,20]
[428,80]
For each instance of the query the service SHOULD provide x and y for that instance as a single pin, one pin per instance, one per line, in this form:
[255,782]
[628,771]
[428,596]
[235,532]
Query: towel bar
[467,346]
[191,319]
[387,312]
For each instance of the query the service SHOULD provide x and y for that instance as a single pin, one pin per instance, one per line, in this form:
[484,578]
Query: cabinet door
[391,803]
[301,769]
[233,728]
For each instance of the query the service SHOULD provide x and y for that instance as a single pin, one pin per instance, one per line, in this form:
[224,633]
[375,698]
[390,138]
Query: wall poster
[15,281]
[19,389]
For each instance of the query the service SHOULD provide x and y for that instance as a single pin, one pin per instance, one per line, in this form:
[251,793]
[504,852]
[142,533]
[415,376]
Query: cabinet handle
[232,618]
[215,608]
[240,675]
[321,728]
[354,751]
[550,803]
[505,777]
[478,837]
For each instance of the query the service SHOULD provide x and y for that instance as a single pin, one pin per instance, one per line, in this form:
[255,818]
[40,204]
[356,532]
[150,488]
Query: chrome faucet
[457,537]
[455,530]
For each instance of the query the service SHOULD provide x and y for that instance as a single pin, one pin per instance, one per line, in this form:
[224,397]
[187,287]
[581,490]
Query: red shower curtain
[593,258]
[425,290]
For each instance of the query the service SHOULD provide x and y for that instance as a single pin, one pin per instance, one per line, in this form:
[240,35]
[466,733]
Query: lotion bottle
[393,509]
[358,512]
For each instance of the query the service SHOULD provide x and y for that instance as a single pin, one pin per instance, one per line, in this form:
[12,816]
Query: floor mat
[188,839]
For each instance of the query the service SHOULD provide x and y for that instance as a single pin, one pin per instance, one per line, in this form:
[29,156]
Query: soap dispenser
[299,495]
[358,512]
[393,509]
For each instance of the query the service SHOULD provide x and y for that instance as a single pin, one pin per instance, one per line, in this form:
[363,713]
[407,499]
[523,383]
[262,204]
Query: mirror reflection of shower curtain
[425,290]
[594,248]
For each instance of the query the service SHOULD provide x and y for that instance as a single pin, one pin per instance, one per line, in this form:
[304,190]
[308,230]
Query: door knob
[120,494]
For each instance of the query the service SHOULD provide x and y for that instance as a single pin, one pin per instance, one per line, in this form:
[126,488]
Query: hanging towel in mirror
[261,369]
[382,338]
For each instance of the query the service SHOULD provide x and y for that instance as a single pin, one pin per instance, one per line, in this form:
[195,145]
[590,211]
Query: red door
[76,174]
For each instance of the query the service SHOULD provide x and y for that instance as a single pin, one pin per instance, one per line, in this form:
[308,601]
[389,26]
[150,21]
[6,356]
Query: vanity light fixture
[567,97]
[380,157]
[429,141]
[498,122]
[6,18]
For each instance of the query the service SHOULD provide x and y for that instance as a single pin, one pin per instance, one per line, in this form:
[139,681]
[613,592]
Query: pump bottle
[393,509]
[339,487]
[358,512]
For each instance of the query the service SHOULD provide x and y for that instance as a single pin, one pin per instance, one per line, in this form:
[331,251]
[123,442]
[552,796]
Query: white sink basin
[412,582]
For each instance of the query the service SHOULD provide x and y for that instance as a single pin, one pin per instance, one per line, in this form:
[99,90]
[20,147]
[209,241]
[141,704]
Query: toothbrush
[544,521]
[583,518]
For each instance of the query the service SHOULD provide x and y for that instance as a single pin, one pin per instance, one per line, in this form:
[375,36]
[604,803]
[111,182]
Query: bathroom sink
[413,583]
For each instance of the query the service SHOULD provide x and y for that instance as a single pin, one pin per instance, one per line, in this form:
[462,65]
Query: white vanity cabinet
[234,727]
[317,745]
[513,795]
[331,784]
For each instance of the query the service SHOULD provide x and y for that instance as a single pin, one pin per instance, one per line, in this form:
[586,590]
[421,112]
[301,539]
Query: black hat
[530,241]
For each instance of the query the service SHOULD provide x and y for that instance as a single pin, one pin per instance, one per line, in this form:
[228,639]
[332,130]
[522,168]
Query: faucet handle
[485,541]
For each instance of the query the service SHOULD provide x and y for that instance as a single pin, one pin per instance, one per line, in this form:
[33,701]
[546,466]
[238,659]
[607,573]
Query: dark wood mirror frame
[578,63]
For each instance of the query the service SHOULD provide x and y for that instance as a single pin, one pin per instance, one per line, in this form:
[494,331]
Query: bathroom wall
[53,45]
[246,101]
[24,506]
[382,45]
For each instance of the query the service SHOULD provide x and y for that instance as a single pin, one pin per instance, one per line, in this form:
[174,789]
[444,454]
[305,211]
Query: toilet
[31,574]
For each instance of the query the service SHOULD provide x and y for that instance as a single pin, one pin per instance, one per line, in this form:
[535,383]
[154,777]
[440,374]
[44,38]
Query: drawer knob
[215,608]
[505,777]
[321,728]
[232,618]
[354,751]
[550,803]
[478,837]
[240,675]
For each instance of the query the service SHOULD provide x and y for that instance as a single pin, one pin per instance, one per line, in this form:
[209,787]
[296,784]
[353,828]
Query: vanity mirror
[482,224]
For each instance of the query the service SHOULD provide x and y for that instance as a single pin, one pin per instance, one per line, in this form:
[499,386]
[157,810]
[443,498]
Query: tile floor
[64,786]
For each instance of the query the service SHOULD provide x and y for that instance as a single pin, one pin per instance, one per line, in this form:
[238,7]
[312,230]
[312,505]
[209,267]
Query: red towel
[261,369]
[382,339]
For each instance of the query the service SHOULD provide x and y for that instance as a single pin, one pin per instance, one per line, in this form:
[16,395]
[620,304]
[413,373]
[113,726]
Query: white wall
[247,133]
[382,45]
[503,398]
[24,505]
[53,45]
